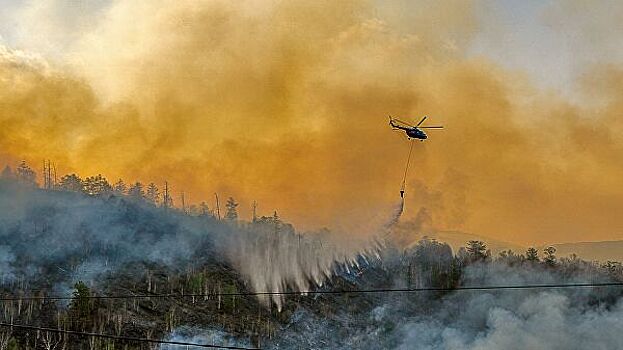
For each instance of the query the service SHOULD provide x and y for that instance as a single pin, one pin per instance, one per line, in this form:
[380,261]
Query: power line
[319,292]
[116,337]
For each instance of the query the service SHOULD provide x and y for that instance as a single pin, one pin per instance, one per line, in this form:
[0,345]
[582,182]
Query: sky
[549,41]
[285,103]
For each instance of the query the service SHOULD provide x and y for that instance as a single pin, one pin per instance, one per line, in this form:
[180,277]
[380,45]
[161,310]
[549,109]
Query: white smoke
[396,215]
[513,319]
[40,230]
[81,238]
[278,261]
[579,318]
[22,59]
[546,320]
[203,336]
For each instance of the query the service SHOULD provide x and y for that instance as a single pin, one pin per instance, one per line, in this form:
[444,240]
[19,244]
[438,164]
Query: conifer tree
[7,173]
[477,250]
[204,210]
[136,192]
[25,175]
[532,255]
[71,183]
[152,195]
[96,185]
[120,187]
[550,256]
[231,212]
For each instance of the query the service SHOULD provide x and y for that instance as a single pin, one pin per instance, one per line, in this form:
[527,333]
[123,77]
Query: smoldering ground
[554,319]
[510,319]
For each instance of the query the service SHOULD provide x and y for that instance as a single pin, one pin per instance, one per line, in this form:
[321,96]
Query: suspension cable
[404,177]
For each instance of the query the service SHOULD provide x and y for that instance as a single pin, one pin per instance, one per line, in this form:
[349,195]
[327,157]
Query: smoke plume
[285,103]
[565,318]
[69,237]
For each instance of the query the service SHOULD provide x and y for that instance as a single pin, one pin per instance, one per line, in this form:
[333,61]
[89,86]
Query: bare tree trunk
[5,337]
[51,340]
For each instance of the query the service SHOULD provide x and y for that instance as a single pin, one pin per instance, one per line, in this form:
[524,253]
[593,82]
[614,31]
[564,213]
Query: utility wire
[116,337]
[319,292]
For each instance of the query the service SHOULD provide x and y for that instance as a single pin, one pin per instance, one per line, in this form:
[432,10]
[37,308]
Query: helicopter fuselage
[416,133]
[412,131]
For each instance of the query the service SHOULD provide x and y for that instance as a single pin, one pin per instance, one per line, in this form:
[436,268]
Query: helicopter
[413,132]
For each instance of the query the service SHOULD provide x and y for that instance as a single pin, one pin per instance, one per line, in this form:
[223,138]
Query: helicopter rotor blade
[401,122]
[430,127]
[421,121]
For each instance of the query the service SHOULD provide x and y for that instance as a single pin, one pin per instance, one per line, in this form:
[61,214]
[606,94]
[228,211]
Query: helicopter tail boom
[399,124]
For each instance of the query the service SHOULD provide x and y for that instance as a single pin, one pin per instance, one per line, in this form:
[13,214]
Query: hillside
[57,243]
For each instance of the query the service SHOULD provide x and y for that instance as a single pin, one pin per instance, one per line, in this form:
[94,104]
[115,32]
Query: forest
[84,255]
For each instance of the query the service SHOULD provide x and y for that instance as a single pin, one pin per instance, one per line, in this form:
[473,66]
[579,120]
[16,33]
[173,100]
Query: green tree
[231,212]
[25,175]
[429,264]
[136,192]
[612,267]
[477,250]
[204,210]
[120,187]
[71,183]
[12,344]
[81,301]
[532,255]
[96,185]
[7,342]
[510,258]
[152,195]
[550,256]
[7,174]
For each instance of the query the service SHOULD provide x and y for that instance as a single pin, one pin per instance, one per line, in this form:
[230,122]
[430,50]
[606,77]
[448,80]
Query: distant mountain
[602,251]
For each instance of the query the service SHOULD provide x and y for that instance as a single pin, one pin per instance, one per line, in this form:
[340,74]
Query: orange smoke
[286,104]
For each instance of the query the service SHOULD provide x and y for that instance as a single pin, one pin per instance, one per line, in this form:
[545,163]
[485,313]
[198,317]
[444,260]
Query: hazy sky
[284,102]
[538,37]
[548,41]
